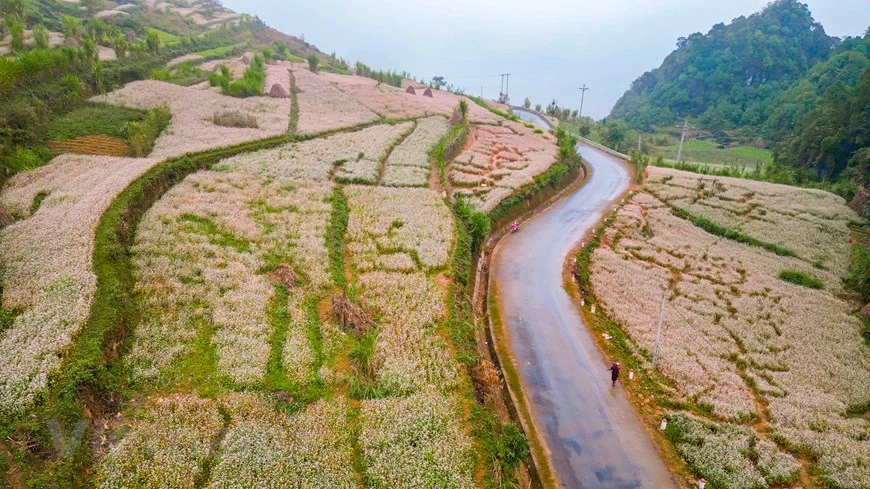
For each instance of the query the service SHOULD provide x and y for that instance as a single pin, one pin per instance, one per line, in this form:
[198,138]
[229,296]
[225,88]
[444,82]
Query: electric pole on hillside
[659,330]
[683,138]
[503,92]
[582,96]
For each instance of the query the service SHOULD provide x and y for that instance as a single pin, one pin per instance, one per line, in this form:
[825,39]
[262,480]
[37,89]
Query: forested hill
[729,77]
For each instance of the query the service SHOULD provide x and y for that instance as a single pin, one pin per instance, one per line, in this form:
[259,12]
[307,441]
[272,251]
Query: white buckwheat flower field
[238,365]
[738,340]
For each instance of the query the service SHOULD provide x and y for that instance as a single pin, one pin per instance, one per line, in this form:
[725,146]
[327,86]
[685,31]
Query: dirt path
[590,429]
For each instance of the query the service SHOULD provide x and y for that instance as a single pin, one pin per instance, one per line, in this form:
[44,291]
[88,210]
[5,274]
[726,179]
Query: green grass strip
[721,231]
[479,101]
[335,231]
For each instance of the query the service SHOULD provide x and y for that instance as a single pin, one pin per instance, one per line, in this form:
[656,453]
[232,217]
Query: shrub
[313,60]
[162,74]
[220,79]
[801,278]
[858,278]
[640,162]
[234,119]
[249,85]
[23,159]
[252,80]
[477,223]
[142,134]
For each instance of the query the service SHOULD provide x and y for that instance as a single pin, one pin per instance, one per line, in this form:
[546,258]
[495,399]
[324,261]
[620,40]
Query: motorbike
[515,226]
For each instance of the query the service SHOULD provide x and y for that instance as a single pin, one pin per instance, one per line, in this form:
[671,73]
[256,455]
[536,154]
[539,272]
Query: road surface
[593,434]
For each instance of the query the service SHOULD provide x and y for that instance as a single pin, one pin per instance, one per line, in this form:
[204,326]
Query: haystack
[456,118]
[428,93]
[350,315]
[5,218]
[410,90]
[277,91]
[282,275]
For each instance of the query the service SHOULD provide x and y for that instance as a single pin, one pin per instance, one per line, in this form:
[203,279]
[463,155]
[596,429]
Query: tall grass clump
[313,61]
[800,278]
[640,161]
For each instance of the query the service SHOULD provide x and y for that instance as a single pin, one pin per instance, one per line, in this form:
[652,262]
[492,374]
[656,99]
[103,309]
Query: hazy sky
[551,47]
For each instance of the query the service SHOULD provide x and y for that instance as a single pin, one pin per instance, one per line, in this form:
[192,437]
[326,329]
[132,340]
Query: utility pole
[481,91]
[582,96]
[659,329]
[683,138]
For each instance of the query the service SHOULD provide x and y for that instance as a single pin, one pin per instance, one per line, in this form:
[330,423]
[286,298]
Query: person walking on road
[614,372]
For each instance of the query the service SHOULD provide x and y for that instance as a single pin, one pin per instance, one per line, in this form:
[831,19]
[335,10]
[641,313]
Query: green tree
[527,103]
[829,139]
[730,73]
[281,49]
[313,61]
[437,82]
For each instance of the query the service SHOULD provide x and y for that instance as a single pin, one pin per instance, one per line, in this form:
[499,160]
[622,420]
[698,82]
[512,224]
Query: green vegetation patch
[143,134]
[335,231]
[858,278]
[220,51]
[249,85]
[801,278]
[482,103]
[719,230]
[708,152]
[93,119]
[166,39]
[217,235]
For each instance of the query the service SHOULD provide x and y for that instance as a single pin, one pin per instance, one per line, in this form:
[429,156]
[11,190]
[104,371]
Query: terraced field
[759,339]
[291,301]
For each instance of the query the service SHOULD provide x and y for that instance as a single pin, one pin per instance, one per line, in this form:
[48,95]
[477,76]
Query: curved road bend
[592,432]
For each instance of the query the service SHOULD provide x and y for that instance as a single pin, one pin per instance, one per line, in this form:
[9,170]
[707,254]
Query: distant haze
[550,46]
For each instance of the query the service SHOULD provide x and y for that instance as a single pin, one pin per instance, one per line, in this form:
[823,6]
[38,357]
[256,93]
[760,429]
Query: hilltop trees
[724,77]
[834,137]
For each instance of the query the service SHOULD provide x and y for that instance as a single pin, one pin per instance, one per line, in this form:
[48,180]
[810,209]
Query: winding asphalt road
[591,431]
